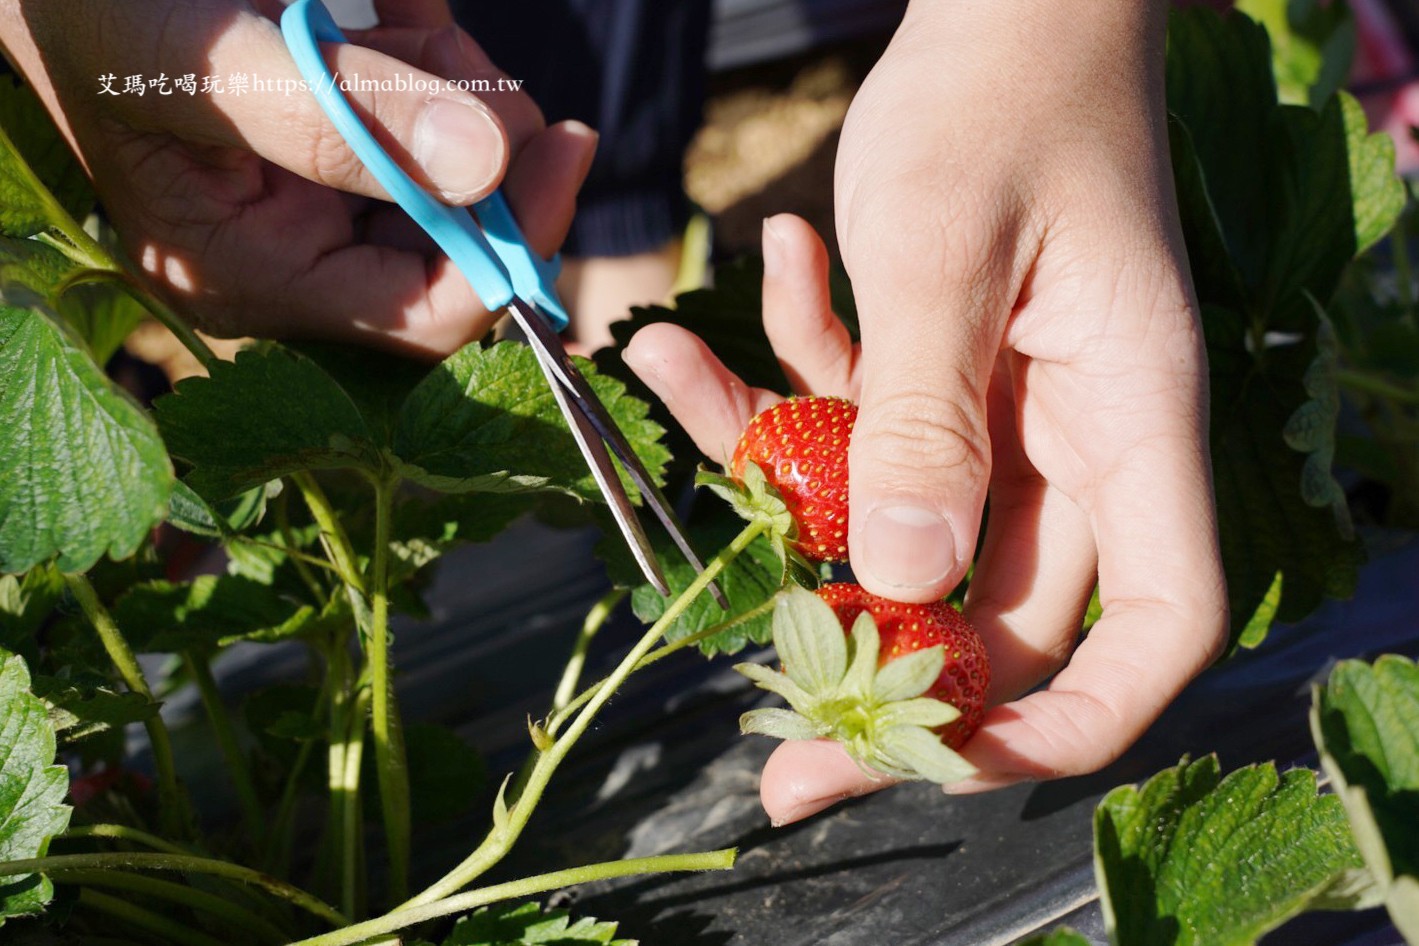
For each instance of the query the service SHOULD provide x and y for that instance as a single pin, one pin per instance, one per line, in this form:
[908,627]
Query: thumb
[448,140]
[919,460]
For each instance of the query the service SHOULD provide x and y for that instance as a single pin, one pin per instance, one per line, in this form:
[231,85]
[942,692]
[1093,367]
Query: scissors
[489,249]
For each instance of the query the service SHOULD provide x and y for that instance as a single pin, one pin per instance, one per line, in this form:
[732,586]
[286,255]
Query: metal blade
[558,367]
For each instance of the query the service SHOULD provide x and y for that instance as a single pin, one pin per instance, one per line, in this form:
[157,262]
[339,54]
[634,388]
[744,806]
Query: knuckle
[917,432]
[331,162]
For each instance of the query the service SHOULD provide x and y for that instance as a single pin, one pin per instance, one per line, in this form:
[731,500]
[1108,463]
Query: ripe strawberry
[84,789]
[801,445]
[906,628]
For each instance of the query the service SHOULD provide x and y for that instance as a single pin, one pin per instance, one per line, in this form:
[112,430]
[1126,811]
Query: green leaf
[424,529]
[296,727]
[1294,194]
[1192,858]
[32,788]
[1220,89]
[1276,201]
[838,692]
[79,709]
[1063,936]
[910,675]
[748,584]
[777,723]
[1259,623]
[82,469]
[191,513]
[1311,430]
[528,924]
[1365,722]
[269,413]
[925,711]
[810,641]
[26,206]
[777,682]
[485,420]
[1265,525]
[34,271]
[33,137]
[210,611]
[378,382]
[25,604]
[102,314]
[861,675]
[280,717]
[754,499]
[1377,193]
[1312,46]
[915,752]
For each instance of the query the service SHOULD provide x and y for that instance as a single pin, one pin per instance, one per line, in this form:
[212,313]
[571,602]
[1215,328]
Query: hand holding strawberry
[1086,423]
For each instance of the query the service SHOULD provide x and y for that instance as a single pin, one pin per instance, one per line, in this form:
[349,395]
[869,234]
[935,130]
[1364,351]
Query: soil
[769,141]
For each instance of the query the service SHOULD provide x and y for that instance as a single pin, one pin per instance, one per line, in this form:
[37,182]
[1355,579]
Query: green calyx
[837,691]
[755,499]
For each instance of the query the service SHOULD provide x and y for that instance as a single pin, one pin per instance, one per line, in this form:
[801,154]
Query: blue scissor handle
[496,258]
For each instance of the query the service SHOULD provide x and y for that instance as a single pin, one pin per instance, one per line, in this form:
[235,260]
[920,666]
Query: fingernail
[908,547]
[459,144]
[648,369]
[586,136]
[806,809]
[773,249]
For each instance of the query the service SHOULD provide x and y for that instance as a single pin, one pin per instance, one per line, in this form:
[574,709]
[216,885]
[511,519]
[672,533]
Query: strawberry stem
[528,886]
[559,715]
[181,863]
[506,831]
[391,761]
[596,618]
[176,811]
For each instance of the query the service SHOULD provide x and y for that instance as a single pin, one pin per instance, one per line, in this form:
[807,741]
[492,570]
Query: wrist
[1094,41]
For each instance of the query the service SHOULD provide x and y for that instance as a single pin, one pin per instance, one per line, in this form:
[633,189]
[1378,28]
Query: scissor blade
[558,367]
[598,460]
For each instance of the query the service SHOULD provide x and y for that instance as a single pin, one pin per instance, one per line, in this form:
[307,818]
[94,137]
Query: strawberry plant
[333,479]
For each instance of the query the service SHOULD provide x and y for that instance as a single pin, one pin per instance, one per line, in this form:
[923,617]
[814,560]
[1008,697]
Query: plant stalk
[103,266]
[359,932]
[506,831]
[596,618]
[276,856]
[183,863]
[175,812]
[1377,386]
[200,669]
[298,558]
[191,897]
[121,832]
[145,919]
[554,722]
[332,535]
[345,802]
[391,761]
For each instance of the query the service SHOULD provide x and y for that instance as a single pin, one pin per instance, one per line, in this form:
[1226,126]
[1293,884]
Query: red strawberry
[86,788]
[801,445]
[905,628]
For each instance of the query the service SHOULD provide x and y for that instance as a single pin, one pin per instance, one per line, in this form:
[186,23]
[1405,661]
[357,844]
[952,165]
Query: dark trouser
[633,70]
